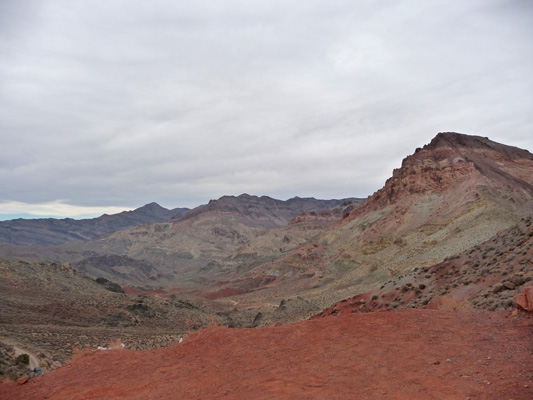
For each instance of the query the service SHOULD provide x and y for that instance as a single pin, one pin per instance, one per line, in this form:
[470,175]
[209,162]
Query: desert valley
[423,290]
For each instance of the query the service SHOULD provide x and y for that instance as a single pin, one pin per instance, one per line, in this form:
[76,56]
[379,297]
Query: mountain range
[50,231]
[450,230]
[453,194]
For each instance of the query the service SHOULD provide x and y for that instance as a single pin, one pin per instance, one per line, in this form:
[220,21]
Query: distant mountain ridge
[264,211]
[224,237]
[51,231]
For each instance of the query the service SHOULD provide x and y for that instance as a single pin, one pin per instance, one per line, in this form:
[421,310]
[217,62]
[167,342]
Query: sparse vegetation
[23,359]
[13,367]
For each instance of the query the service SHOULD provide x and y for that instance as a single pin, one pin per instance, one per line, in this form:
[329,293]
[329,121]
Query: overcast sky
[108,105]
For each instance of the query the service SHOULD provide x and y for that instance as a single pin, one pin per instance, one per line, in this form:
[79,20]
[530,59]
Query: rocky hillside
[486,277]
[220,240]
[51,308]
[50,231]
[451,195]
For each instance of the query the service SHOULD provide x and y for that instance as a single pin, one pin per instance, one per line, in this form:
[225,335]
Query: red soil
[151,293]
[223,292]
[408,354]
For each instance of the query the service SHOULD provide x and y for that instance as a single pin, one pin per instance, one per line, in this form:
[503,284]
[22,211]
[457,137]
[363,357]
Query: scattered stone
[524,301]
[257,320]
[518,280]
[498,288]
[22,380]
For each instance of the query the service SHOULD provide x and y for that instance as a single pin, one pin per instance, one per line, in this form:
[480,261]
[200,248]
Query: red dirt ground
[408,354]
[139,292]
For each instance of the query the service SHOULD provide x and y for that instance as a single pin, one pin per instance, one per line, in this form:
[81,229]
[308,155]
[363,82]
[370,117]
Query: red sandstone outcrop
[22,380]
[524,301]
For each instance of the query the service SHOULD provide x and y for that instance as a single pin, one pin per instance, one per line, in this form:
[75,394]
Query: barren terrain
[368,290]
[410,354]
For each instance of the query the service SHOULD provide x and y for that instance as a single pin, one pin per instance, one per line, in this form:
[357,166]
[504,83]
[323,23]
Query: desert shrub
[78,353]
[452,303]
[116,344]
[23,359]
[213,322]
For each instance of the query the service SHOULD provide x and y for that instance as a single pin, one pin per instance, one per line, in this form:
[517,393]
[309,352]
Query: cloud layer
[119,103]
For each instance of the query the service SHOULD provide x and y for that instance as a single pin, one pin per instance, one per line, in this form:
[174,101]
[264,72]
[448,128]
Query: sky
[109,105]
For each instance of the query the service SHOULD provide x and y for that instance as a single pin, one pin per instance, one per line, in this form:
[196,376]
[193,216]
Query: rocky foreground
[407,354]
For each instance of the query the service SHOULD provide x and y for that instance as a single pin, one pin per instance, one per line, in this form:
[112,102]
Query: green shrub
[23,359]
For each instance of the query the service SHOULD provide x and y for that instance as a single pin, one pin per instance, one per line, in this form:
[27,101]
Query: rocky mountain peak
[460,142]
[153,209]
[452,160]
[457,140]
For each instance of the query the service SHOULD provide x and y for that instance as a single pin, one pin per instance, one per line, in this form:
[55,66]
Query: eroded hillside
[448,197]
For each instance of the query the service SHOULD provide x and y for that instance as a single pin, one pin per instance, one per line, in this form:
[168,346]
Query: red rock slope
[409,354]
[455,163]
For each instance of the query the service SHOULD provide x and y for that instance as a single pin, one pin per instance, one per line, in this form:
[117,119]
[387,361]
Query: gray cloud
[119,103]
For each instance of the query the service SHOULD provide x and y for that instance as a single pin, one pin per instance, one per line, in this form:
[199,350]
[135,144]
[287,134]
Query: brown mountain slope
[410,354]
[486,277]
[453,194]
[264,211]
[222,239]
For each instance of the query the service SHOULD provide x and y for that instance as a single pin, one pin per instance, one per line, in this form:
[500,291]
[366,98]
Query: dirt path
[34,360]
[409,354]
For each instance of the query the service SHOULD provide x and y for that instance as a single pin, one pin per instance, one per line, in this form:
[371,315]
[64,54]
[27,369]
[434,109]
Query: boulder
[498,288]
[508,285]
[22,380]
[524,301]
[521,301]
[111,286]
[529,296]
